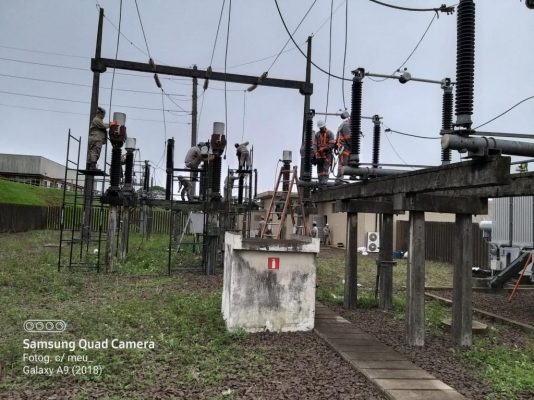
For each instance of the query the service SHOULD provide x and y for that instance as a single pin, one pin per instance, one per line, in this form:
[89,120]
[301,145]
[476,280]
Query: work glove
[113,123]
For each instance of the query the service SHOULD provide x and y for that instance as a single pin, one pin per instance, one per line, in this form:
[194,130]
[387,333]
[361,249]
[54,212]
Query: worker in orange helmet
[324,143]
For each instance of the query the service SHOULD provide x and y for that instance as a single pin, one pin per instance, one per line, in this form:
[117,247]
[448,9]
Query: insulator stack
[255,183]
[285,177]
[170,167]
[240,189]
[465,63]
[356,120]
[376,141]
[129,168]
[146,183]
[308,138]
[115,173]
[209,177]
[216,174]
[447,121]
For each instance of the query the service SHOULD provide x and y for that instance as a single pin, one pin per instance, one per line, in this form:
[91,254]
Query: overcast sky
[182,33]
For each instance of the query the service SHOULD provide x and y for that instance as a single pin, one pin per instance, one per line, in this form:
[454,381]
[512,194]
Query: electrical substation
[220,225]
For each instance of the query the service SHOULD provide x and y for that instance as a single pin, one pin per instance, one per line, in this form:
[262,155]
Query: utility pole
[305,160]
[89,179]
[194,124]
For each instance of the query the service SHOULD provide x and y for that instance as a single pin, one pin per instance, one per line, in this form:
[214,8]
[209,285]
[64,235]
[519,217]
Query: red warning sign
[273,263]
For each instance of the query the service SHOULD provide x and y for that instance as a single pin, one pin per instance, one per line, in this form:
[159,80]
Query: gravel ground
[520,308]
[435,356]
[297,366]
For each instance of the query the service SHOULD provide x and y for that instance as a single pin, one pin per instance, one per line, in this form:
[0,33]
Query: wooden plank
[351,263]
[386,268]
[415,281]
[101,64]
[462,281]
[489,171]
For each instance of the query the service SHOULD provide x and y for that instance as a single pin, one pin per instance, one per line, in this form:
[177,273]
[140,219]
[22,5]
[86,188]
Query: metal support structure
[351,263]
[386,263]
[170,168]
[194,115]
[405,77]
[89,179]
[339,115]
[485,146]
[462,281]
[415,281]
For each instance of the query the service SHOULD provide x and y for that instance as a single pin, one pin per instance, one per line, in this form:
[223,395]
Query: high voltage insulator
[356,116]
[216,179]
[376,141]
[115,172]
[170,167]
[465,63]
[307,153]
[446,121]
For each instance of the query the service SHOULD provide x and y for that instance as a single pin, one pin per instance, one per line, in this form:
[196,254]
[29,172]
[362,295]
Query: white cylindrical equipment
[218,128]
[120,118]
[485,225]
[287,156]
[130,143]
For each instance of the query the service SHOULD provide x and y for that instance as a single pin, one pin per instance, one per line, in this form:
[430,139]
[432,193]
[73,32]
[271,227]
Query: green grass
[331,274]
[20,193]
[192,345]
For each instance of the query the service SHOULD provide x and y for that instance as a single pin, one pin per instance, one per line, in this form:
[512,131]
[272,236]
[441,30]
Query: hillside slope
[20,193]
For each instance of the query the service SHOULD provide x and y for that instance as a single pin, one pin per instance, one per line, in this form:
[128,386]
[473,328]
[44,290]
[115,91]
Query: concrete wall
[256,298]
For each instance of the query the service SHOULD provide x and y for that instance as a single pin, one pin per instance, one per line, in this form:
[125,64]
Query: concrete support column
[210,248]
[386,263]
[112,230]
[351,263]
[415,282]
[462,318]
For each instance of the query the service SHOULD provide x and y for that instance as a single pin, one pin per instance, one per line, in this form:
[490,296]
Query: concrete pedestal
[269,284]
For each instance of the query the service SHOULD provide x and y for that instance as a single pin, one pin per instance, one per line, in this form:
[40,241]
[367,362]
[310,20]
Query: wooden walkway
[395,376]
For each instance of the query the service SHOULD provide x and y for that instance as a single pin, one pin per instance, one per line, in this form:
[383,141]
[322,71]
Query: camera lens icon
[45,326]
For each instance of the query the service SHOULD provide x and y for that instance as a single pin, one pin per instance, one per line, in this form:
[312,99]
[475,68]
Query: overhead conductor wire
[345,51]
[225,60]
[116,56]
[329,59]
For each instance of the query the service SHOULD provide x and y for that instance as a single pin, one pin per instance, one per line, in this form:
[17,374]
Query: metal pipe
[407,79]
[529,160]
[402,165]
[502,134]
[483,144]
[339,115]
[370,171]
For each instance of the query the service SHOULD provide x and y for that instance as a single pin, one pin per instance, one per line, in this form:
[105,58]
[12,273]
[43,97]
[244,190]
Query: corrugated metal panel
[501,221]
[522,219]
[321,221]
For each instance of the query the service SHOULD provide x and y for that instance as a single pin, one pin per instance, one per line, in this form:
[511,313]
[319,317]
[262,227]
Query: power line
[328,19]
[142,28]
[176,104]
[415,136]
[43,64]
[301,52]
[443,8]
[329,59]
[411,54]
[116,56]
[88,86]
[225,60]
[201,108]
[43,52]
[85,114]
[217,34]
[393,148]
[298,26]
[500,115]
[345,51]
[244,110]
[76,101]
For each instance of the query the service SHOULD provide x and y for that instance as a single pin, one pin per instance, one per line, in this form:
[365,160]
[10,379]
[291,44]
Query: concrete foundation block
[269,285]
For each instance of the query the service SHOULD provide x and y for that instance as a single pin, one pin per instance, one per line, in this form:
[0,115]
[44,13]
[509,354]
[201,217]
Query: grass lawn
[180,315]
[20,193]
[503,358]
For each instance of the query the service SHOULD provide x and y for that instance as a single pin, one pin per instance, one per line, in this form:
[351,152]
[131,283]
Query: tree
[158,192]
